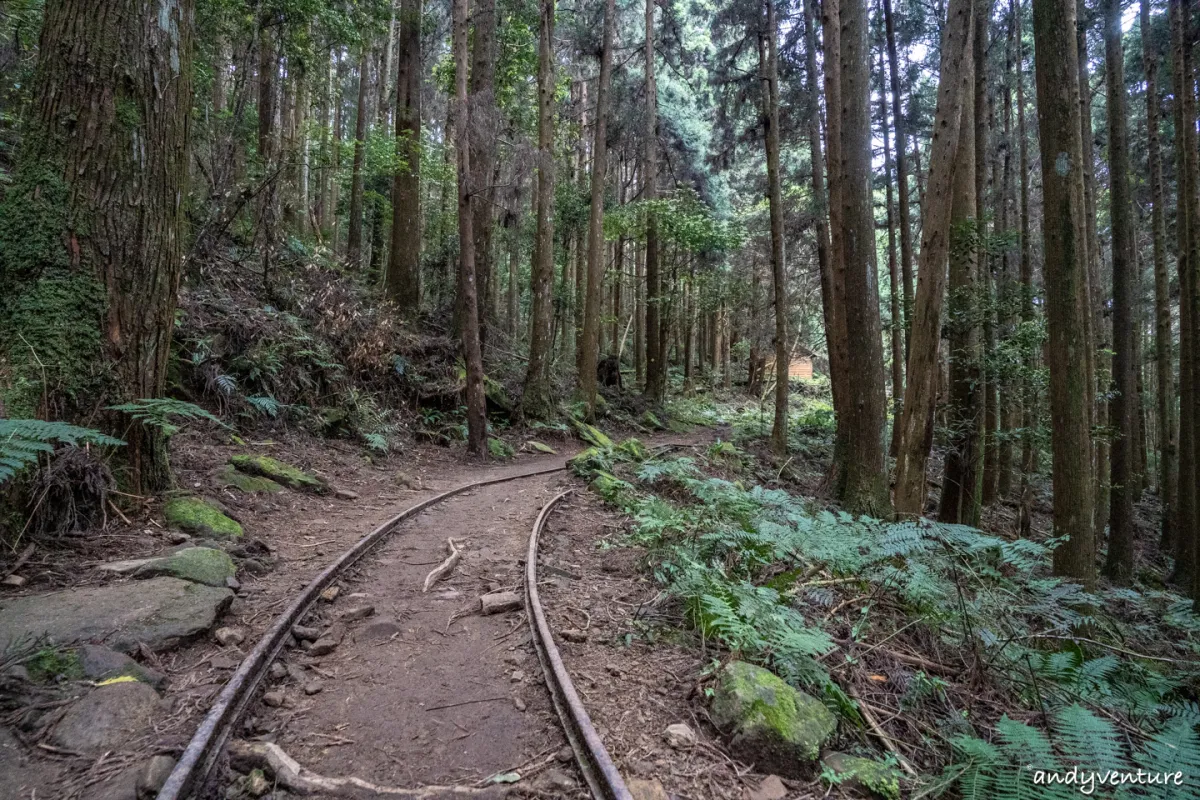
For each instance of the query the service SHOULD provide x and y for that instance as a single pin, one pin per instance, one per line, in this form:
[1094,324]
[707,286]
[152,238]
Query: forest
[916,281]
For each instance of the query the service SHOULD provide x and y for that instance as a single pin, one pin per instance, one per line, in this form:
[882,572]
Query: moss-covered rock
[651,421]
[593,435]
[196,564]
[533,444]
[778,727]
[250,484]
[854,772]
[500,449]
[278,471]
[608,486]
[634,449]
[198,516]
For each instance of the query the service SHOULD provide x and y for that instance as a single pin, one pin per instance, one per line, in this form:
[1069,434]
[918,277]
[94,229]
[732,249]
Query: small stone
[647,790]
[304,632]
[771,788]
[152,776]
[278,671]
[499,602]
[345,494]
[224,662]
[233,583]
[327,643]
[557,779]
[572,635]
[177,537]
[99,663]
[614,670]
[15,581]
[680,736]
[519,704]
[518,675]
[257,784]
[108,717]
[291,641]
[516,657]
[407,481]
[330,594]
[356,613]
[306,645]
[297,673]
[254,566]
[274,699]
[314,687]
[382,629]
[227,637]
[565,754]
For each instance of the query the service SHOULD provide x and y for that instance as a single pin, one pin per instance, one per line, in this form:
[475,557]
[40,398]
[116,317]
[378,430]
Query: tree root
[290,775]
[443,569]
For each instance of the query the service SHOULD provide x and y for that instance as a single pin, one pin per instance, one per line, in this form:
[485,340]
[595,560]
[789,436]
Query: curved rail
[598,769]
[201,753]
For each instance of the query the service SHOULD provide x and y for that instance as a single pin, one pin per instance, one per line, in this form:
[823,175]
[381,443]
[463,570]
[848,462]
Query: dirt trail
[428,690]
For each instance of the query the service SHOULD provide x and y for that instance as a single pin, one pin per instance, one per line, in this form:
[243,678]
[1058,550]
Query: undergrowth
[987,668]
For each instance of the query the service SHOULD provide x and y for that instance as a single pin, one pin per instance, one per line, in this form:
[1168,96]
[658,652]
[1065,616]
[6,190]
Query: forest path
[427,689]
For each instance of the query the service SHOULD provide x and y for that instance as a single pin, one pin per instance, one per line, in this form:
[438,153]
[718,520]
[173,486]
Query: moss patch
[854,772]
[278,471]
[593,435]
[205,565]
[194,515]
[52,664]
[250,484]
[634,449]
[766,715]
[500,449]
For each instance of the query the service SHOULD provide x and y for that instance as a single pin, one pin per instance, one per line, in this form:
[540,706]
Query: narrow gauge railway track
[205,747]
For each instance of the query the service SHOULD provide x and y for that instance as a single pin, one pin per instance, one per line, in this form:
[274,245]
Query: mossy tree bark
[354,236]
[1064,233]
[536,402]
[962,478]
[91,227]
[403,280]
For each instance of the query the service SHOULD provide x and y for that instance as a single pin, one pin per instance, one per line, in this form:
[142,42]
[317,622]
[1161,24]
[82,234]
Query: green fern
[161,413]
[22,441]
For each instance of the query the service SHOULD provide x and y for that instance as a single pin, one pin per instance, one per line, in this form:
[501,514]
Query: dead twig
[443,569]
[295,778]
[467,703]
[886,740]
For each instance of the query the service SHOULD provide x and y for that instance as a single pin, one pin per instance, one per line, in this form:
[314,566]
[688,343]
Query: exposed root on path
[290,775]
[443,569]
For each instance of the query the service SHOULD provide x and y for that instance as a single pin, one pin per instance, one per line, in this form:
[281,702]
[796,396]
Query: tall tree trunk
[963,473]
[1188,225]
[594,298]
[906,250]
[1028,390]
[864,477]
[403,281]
[986,283]
[896,334]
[354,236]
[1119,565]
[467,287]
[921,390]
[1064,233]
[91,226]
[834,334]
[536,402]
[1009,396]
[656,370]
[1163,351]
[769,75]
[484,134]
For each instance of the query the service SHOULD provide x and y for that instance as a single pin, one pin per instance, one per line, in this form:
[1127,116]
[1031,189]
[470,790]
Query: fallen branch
[876,729]
[295,778]
[443,569]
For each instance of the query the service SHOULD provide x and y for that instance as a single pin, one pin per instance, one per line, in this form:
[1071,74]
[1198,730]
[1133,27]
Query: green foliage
[500,449]
[22,441]
[166,414]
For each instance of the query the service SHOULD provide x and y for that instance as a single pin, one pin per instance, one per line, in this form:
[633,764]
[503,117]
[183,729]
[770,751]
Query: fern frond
[159,412]
[23,440]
